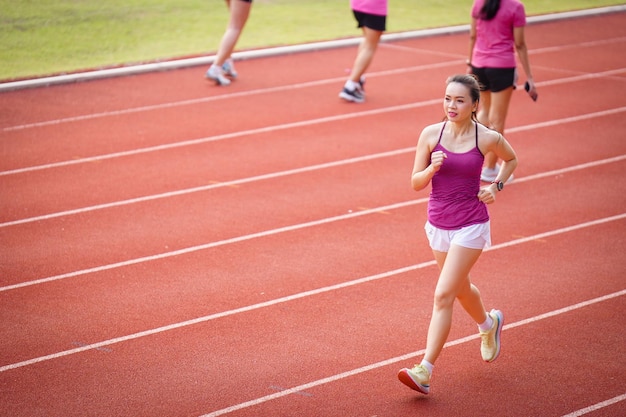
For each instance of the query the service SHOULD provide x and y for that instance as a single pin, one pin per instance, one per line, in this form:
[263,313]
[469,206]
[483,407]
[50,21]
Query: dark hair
[471,82]
[468,80]
[489,10]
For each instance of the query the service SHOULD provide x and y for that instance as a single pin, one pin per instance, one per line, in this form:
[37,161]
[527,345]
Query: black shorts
[494,79]
[372,21]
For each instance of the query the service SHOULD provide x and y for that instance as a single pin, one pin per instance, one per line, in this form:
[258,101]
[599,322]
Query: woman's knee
[443,299]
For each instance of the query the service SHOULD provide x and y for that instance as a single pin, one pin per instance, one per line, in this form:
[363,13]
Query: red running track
[171,248]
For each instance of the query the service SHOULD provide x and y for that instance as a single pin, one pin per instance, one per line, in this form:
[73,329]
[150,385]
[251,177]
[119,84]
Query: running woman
[496,32]
[371,17]
[450,155]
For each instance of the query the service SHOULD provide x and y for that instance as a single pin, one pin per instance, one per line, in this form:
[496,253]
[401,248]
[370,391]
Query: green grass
[56,36]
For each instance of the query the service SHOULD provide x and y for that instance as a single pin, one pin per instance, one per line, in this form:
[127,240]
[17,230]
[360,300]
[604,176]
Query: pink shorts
[476,236]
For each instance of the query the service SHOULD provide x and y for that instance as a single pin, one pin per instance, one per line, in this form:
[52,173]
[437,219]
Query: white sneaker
[490,340]
[417,378]
[229,68]
[216,74]
[490,174]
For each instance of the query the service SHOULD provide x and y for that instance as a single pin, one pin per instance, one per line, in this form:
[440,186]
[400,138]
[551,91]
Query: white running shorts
[476,236]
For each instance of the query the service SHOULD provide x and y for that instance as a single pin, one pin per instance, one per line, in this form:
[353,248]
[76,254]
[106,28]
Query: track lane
[204,277]
[41,193]
[258,367]
[169,227]
[376,392]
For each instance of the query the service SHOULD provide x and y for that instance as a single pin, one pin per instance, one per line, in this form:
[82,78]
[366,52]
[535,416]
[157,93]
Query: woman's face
[457,103]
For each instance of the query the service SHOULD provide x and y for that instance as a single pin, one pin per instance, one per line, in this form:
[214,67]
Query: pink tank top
[377,7]
[454,202]
[495,43]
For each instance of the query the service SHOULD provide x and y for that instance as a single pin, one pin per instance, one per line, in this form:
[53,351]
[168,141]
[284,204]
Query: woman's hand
[436,160]
[488,194]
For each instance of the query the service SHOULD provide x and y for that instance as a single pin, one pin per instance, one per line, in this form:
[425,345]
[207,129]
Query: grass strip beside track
[55,40]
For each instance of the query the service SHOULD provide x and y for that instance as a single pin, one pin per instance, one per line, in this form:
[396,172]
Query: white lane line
[597,406]
[311,122]
[271,232]
[211,186]
[292,172]
[238,134]
[391,361]
[289,87]
[210,245]
[303,295]
[228,96]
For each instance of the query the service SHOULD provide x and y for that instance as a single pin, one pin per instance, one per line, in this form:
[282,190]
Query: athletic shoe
[417,379]
[490,174]
[490,340]
[216,74]
[229,69]
[355,96]
[362,84]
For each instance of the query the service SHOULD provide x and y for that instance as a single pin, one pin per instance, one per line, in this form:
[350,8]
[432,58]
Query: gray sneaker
[355,96]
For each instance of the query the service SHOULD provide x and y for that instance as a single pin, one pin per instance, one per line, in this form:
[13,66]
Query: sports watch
[499,185]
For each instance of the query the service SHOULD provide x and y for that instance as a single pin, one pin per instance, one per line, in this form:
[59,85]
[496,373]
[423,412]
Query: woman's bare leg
[365,53]
[239,12]
[453,283]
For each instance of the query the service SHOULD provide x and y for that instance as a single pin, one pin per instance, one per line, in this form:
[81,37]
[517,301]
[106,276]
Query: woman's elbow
[512,162]
[418,183]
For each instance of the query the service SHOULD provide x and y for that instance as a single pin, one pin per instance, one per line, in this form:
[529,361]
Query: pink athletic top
[495,44]
[377,7]
[454,202]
